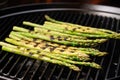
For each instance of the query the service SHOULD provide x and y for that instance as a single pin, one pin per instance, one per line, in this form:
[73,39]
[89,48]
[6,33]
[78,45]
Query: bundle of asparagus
[56,42]
[46,51]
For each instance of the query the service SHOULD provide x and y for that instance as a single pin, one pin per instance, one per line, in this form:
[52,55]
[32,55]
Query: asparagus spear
[20,29]
[40,57]
[5,44]
[93,52]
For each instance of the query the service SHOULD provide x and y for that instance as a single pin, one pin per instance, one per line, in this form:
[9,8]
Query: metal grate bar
[12,68]
[78,21]
[26,73]
[73,19]
[3,24]
[92,21]
[91,70]
[52,71]
[105,46]
[84,17]
[45,65]
[30,65]
[88,20]
[1,62]
[13,55]
[6,67]
[20,68]
[111,57]
[8,26]
[118,65]
[103,58]
[12,19]
[36,69]
[45,70]
[68,18]
[83,23]
[58,16]
[29,73]
[114,59]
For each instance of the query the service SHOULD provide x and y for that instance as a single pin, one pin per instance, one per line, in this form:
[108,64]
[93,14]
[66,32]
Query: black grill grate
[19,67]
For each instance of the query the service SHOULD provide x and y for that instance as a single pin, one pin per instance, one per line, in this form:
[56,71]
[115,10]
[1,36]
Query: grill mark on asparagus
[59,48]
[52,37]
[59,38]
[62,50]
[30,53]
[48,30]
[36,45]
[74,29]
[66,28]
[51,49]
[51,44]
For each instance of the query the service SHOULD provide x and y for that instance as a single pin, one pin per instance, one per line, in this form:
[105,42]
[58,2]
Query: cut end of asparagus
[31,24]
[16,28]
[5,44]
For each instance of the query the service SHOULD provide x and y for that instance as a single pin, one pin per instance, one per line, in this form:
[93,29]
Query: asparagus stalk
[93,52]
[5,44]
[20,29]
[17,36]
[40,57]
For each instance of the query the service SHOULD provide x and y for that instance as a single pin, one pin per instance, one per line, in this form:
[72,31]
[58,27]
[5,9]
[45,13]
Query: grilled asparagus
[59,48]
[80,26]
[40,57]
[41,43]
[62,39]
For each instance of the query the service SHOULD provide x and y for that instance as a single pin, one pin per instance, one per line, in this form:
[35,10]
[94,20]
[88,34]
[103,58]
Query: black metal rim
[56,6]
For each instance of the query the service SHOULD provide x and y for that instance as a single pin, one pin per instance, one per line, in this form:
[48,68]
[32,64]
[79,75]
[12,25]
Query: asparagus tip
[94,65]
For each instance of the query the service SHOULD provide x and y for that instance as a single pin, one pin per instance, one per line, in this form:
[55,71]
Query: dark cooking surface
[18,67]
